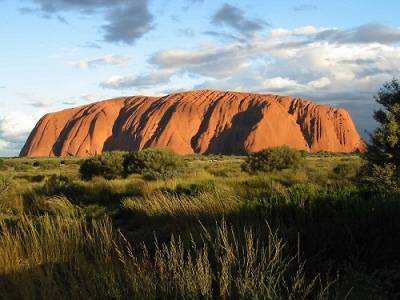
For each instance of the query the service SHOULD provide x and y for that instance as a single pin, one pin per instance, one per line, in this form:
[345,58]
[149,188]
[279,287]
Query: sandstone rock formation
[194,122]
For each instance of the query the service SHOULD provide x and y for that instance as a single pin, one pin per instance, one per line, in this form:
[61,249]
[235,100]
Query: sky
[56,54]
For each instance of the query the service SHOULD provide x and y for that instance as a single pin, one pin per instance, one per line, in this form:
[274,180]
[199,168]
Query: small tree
[108,165]
[383,154]
[154,164]
[272,159]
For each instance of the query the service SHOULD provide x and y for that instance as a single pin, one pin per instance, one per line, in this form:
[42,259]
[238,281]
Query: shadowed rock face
[194,122]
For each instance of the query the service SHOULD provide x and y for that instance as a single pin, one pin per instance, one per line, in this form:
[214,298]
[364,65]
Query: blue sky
[56,54]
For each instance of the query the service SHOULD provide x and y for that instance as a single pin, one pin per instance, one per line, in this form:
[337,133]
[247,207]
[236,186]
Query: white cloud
[91,97]
[102,61]
[147,80]
[286,57]
[14,130]
[279,83]
[327,65]
[320,83]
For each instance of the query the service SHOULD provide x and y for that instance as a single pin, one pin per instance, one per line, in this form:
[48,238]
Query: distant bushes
[272,159]
[154,164]
[109,165]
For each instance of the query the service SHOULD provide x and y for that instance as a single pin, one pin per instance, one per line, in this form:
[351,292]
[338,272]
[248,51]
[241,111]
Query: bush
[381,179]
[346,170]
[195,189]
[272,159]
[154,164]
[58,185]
[108,165]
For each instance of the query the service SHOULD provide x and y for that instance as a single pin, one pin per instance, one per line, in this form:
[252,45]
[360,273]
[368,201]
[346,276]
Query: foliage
[66,258]
[108,165]
[58,185]
[346,170]
[195,189]
[154,164]
[272,159]
[284,234]
[383,153]
[381,179]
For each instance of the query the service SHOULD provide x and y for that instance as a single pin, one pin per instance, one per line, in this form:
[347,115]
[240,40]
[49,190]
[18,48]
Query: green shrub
[58,185]
[381,179]
[272,159]
[108,165]
[154,164]
[346,170]
[195,189]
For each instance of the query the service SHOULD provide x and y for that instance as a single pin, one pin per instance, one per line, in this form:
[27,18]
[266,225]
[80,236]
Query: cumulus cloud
[297,53]
[234,17]
[126,20]
[91,97]
[141,81]
[366,34]
[41,103]
[210,60]
[291,61]
[102,60]
[14,130]
[128,23]
[325,64]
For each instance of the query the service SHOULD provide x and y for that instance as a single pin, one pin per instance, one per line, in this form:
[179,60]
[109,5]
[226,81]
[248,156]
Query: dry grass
[159,204]
[67,258]
[58,241]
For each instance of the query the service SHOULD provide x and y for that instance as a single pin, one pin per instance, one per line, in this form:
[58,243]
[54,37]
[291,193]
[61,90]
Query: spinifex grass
[68,258]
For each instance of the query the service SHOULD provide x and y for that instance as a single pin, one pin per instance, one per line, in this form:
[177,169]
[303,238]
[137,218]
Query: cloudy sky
[56,54]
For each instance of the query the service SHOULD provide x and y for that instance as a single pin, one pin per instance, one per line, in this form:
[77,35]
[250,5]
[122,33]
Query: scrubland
[212,231]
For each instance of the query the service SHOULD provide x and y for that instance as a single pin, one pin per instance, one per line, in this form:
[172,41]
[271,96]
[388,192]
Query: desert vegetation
[277,224]
[212,231]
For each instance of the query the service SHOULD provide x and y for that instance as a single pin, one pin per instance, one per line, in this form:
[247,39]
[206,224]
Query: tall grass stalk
[67,257]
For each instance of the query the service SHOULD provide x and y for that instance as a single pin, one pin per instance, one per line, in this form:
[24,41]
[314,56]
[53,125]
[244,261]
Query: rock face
[194,122]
